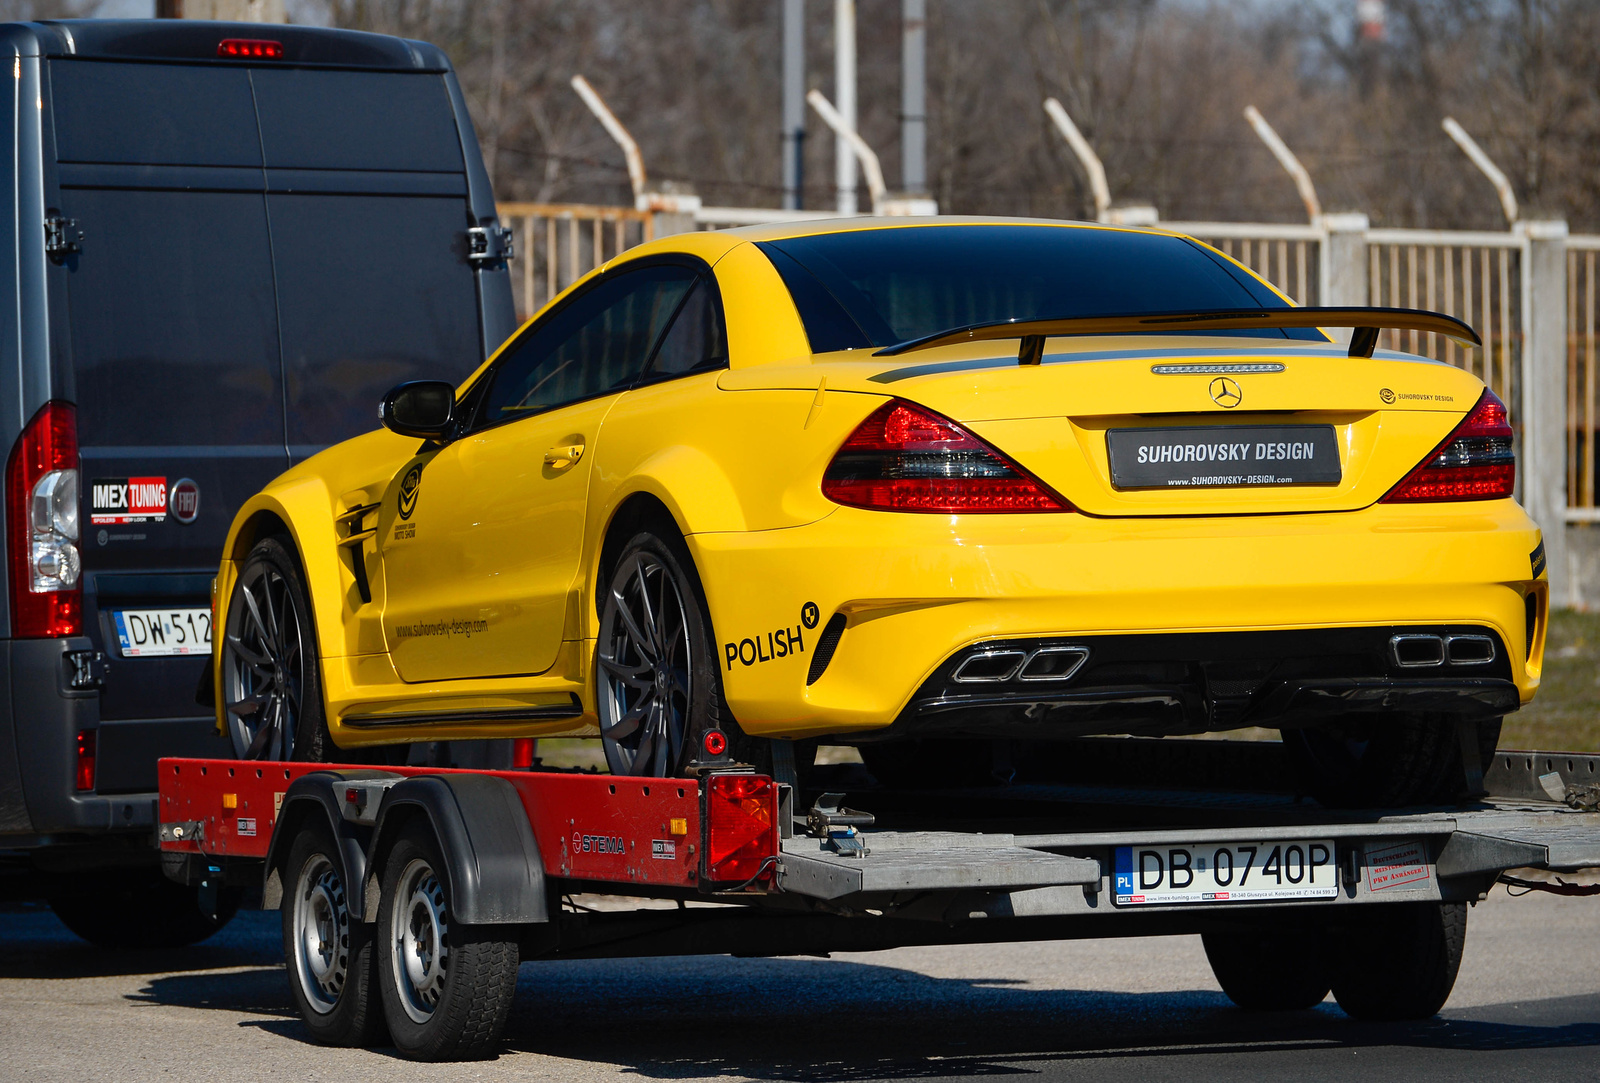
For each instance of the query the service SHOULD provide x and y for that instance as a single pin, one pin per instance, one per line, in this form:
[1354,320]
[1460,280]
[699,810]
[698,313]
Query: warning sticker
[127,500]
[1397,864]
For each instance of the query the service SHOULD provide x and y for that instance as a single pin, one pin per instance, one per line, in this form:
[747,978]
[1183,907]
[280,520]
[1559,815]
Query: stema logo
[1225,393]
[408,491]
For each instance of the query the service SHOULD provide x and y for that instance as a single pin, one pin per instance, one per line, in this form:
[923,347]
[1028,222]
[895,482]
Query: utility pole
[913,96]
[794,104]
[844,100]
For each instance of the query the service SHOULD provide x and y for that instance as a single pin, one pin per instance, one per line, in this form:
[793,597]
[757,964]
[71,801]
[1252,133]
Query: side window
[598,342]
[696,341]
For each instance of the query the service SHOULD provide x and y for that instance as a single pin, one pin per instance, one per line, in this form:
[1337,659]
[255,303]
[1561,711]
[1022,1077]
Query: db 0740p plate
[1223,873]
[1223,456]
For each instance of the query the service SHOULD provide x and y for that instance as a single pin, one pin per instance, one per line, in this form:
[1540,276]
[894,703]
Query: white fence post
[1544,395]
[1343,263]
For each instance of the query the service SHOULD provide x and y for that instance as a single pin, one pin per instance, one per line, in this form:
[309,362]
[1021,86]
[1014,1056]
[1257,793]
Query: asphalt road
[1527,1006]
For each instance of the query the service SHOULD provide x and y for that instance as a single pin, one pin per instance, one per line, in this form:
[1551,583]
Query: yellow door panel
[477,577]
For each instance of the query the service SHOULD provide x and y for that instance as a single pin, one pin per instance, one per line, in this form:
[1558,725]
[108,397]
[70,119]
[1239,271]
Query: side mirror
[424,408]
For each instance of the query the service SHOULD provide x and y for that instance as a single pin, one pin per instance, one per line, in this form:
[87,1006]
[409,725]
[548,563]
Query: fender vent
[827,643]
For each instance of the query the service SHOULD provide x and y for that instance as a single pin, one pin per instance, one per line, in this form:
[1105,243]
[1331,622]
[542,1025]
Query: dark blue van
[230,240]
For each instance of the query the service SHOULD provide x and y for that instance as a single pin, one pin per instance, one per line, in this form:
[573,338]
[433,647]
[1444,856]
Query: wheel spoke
[640,641]
[637,677]
[272,627]
[649,624]
[249,705]
[628,724]
[262,634]
[257,662]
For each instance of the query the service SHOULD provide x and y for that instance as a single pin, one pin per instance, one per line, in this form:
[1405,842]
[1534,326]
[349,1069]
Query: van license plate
[1233,872]
[150,633]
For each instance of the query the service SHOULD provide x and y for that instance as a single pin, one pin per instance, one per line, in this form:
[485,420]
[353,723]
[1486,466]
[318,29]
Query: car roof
[778,231]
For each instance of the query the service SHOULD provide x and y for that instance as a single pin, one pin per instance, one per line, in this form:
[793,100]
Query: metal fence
[559,243]
[1287,256]
[1583,370]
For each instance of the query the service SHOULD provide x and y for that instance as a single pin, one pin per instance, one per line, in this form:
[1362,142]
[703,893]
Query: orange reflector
[230,800]
[678,826]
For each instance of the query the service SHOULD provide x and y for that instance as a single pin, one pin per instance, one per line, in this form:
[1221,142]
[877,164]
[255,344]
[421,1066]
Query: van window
[153,114]
[356,120]
[372,290]
[174,339]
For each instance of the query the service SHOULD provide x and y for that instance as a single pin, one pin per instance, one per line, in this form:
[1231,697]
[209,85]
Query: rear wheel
[1271,969]
[1385,761]
[142,909]
[1398,961]
[271,683]
[447,987]
[329,950]
[657,686]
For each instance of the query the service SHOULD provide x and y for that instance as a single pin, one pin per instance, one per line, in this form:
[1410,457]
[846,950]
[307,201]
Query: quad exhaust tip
[1040,664]
[1421,651]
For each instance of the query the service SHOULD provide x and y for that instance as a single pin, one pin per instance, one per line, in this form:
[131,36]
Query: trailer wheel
[1398,961]
[1271,970]
[328,950]
[447,987]
[657,682]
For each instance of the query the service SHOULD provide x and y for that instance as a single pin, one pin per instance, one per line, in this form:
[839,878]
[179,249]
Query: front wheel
[656,681]
[142,909]
[271,682]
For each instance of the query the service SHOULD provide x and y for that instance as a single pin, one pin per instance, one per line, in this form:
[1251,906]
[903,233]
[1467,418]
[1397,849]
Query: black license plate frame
[1223,456]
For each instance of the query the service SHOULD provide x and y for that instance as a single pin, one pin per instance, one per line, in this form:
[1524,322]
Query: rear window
[877,287]
[356,120]
[153,114]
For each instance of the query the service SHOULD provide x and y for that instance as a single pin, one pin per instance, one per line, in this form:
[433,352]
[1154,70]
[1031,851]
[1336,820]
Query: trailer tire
[1271,970]
[328,949]
[142,909]
[1398,961]
[447,987]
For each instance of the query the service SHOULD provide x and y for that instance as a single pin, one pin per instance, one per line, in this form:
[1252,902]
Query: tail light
[522,754]
[85,771]
[741,828]
[1475,462]
[248,48]
[42,524]
[906,458]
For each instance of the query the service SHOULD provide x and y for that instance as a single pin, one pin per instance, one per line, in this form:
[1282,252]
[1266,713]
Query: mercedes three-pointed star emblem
[1226,393]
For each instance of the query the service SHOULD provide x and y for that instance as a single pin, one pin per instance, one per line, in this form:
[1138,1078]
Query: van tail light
[1475,462]
[907,458]
[42,526]
[85,771]
[741,828]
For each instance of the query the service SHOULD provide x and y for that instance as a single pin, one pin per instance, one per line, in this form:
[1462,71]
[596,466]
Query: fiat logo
[1226,393]
[183,502]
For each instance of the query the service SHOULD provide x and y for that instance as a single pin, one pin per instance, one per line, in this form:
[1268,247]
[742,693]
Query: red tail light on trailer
[42,484]
[1475,462]
[908,458]
[741,828]
[86,756]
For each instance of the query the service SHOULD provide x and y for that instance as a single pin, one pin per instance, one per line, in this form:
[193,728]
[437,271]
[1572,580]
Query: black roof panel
[193,40]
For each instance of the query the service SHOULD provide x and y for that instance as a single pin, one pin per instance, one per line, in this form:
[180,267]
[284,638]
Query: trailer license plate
[1233,872]
[150,633]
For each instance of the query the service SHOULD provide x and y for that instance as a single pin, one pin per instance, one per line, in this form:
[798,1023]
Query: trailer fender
[492,863]
[309,797]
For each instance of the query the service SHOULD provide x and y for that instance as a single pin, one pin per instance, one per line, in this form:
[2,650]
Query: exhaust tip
[1414,651]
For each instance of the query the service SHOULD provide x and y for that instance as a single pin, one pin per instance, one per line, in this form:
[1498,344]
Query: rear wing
[1367,322]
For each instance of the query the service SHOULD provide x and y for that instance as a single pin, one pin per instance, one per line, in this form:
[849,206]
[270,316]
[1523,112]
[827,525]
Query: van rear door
[171,348]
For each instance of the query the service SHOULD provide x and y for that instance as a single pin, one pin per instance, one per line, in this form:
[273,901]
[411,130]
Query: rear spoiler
[1366,321]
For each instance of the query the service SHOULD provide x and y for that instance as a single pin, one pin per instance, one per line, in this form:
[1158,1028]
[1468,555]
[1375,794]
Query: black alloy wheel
[656,683]
[271,689]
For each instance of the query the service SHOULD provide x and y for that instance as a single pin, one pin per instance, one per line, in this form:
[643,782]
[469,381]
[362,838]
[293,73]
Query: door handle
[563,457]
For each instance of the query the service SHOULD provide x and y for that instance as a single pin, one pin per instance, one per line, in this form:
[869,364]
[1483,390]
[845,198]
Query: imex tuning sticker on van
[127,500]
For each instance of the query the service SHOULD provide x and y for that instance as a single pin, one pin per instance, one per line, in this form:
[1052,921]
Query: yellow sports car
[900,481]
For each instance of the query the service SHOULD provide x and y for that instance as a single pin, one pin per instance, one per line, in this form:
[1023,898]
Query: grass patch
[1565,715]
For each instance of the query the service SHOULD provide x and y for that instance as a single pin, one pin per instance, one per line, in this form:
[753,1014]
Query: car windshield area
[878,287]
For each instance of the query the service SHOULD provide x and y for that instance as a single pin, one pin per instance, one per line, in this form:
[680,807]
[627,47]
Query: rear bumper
[915,590]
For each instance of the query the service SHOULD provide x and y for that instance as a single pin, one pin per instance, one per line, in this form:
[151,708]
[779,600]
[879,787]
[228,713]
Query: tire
[142,909]
[271,680]
[1385,761]
[328,950]
[1398,961]
[1271,969]
[657,684]
[447,988]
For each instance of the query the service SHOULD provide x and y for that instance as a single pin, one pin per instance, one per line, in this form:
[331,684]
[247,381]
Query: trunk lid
[1293,406]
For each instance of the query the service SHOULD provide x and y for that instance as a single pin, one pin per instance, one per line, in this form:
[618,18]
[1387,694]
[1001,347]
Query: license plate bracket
[1223,456]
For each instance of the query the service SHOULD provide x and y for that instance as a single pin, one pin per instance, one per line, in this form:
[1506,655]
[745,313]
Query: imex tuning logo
[408,491]
[128,500]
